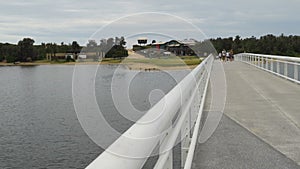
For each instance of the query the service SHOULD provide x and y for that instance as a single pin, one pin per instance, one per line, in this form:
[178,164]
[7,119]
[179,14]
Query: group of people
[226,55]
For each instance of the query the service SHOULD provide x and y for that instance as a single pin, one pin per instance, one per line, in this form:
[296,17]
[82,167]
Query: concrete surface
[234,147]
[264,131]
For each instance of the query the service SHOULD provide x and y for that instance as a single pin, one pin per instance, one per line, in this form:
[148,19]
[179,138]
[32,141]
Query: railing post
[296,71]
[258,61]
[185,137]
[272,65]
[267,63]
[278,67]
[285,71]
[164,147]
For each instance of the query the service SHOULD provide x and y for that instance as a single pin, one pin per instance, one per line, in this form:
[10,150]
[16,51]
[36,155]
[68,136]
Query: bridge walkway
[261,124]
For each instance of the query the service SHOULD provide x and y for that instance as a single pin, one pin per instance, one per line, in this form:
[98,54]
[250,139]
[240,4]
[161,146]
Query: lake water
[38,124]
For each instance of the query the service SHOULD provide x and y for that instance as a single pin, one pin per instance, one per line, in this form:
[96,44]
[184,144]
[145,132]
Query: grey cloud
[64,20]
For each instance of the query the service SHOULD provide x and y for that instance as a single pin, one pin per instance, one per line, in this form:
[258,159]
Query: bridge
[259,127]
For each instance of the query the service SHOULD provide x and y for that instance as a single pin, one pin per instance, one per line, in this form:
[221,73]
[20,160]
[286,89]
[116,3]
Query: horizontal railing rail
[283,66]
[175,115]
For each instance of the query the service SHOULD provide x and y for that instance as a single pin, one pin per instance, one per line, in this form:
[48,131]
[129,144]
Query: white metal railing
[158,128]
[283,66]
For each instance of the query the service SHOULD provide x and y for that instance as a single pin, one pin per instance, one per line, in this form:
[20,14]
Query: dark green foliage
[75,47]
[8,52]
[117,51]
[113,48]
[26,50]
[268,44]
[69,59]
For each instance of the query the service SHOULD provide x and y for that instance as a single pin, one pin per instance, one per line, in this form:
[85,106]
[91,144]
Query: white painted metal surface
[283,66]
[184,103]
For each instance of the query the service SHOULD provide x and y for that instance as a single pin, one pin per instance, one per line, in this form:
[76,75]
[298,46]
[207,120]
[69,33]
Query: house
[179,48]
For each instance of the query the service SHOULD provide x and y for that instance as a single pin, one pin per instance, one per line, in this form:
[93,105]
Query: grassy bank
[132,63]
[164,62]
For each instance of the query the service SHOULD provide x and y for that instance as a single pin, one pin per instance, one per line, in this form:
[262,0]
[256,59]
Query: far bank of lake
[173,63]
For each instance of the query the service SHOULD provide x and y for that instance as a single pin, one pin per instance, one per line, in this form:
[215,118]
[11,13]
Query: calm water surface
[38,124]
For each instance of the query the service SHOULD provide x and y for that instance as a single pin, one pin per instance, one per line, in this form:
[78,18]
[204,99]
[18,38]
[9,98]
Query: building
[179,48]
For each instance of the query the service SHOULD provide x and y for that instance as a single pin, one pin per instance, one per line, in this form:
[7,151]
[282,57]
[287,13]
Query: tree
[75,48]
[122,41]
[8,52]
[237,46]
[26,50]
[69,59]
[41,51]
[109,44]
[91,44]
[116,50]
[102,47]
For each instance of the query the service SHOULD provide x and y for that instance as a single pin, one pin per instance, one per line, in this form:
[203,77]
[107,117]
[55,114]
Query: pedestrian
[231,55]
[227,56]
[223,55]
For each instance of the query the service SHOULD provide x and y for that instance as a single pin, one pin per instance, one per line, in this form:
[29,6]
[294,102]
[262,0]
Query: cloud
[66,20]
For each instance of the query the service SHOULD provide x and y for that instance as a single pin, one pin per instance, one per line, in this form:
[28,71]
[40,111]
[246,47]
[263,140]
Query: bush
[69,59]
[10,59]
[117,51]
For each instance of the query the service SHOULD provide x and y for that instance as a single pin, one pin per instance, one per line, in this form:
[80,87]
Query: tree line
[267,44]
[26,51]
[107,48]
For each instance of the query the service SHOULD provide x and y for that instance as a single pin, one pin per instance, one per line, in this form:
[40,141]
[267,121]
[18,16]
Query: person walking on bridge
[224,55]
[231,55]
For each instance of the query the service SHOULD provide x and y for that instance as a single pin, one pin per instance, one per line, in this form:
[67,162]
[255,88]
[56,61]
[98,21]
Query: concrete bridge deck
[261,125]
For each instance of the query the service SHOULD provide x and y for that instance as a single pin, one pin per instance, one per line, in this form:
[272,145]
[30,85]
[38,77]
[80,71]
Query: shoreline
[129,66]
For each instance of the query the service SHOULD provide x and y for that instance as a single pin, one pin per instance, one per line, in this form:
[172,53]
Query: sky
[66,20]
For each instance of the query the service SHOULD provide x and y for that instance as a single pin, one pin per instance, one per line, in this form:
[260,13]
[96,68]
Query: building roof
[174,45]
[188,41]
[159,43]
[143,38]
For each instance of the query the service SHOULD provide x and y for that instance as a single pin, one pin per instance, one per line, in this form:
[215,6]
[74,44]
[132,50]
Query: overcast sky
[66,20]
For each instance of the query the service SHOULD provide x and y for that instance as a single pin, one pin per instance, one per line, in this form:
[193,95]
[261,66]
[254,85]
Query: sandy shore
[149,67]
[130,66]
